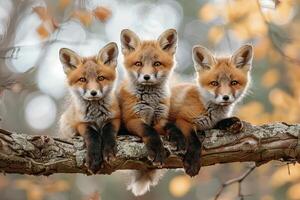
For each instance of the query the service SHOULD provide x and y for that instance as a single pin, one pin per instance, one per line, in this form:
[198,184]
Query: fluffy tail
[141,180]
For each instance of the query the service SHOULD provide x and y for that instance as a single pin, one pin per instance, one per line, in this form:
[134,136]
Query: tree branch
[44,155]
[238,180]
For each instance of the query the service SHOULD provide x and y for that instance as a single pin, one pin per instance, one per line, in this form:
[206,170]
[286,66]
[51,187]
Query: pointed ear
[203,58]
[69,59]
[168,41]
[242,58]
[109,54]
[129,41]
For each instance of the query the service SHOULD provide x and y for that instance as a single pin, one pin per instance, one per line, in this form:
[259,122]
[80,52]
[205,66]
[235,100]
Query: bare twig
[274,35]
[238,180]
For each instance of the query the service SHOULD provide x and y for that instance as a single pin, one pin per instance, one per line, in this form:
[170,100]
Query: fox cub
[221,83]
[145,97]
[93,111]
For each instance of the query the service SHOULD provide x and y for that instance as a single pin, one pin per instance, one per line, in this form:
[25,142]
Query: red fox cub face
[91,78]
[223,80]
[148,62]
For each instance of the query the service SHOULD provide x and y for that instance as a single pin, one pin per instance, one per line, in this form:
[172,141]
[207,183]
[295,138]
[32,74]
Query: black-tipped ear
[203,58]
[69,59]
[109,54]
[129,41]
[168,41]
[242,58]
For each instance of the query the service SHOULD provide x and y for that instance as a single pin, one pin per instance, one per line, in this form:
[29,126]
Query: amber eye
[100,78]
[234,83]
[157,63]
[82,79]
[214,83]
[138,64]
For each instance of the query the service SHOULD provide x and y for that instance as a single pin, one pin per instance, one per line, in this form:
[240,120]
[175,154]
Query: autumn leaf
[93,196]
[57,186]
[282,176]
[45,16]
[215,34]
[85,17]
[49,24]
[102,13]
[270,78]
[64,3]
[180,185]
[42,31]
[294,192]
[41,12]
[208,12]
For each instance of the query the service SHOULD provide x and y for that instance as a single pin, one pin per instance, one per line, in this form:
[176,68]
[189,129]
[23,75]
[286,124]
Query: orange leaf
[294,191]
[83,16]
[41,12]
[208,12]
[45,16]
[42,31]
[180,185]
[102,13]
[270,78]
[215,34]
[64,3]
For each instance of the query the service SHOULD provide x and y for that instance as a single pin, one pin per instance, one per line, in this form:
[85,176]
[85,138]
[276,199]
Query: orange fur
[87,74]
[190,103]
[152,51]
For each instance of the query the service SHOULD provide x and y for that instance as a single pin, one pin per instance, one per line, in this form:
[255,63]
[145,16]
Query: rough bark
[44,155]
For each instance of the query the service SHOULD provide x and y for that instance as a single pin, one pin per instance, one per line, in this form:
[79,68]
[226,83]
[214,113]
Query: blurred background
[32,82]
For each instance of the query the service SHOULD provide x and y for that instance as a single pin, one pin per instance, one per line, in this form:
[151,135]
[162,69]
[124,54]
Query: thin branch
[238,180]
[274,35]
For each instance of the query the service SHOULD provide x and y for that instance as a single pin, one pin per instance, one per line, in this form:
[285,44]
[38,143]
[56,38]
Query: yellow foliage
[281,99]
[294,192]
[83,16]
[208,12]
[37,189]
[251,109]
[35,193]
[64,3]
[180,185]
[283,12]
[292,49]
[57,186]
[102,13]
[215,34]
[270,78]
[42,31]
[281,175]
[266,197]
[261,48]
[255,24]
[48,25]
[241,31]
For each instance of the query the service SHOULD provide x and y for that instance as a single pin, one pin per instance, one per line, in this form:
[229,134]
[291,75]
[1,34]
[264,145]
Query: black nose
[93,93]
[225,97]
[146,77]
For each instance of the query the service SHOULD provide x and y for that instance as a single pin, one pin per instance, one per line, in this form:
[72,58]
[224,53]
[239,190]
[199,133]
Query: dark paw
[109,151]
[94,159]
[232,124]
[156,152]
[192,163]
[236,127]
[176,137]
[179,141]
